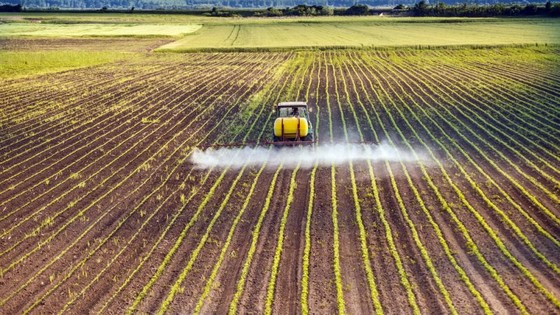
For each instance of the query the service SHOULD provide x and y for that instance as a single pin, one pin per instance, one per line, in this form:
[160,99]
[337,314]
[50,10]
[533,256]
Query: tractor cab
[292,109]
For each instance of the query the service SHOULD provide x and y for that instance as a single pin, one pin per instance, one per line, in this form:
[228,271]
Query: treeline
[10,8]
[209,4]
[288,7]
[98,4]
[299,10]
[422,8]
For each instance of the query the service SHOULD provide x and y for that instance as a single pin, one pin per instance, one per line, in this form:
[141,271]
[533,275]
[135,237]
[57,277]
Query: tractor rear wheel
[309,137]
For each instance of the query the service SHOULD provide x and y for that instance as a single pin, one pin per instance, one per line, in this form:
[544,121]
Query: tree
[421,8]
[357,9]
[327,11]
[555,10]
[10,8]
[530,9]
[273,12]
[440,8]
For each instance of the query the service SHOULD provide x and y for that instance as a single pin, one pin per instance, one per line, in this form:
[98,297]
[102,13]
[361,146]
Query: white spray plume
[289,157]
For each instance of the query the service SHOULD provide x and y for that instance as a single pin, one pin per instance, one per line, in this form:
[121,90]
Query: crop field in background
[96,29]
[370,33]
[198,33]
[102,210]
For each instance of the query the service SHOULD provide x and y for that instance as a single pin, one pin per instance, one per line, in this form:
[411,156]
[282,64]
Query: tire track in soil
[322,291]
[354,280]
[288,283]
[254,294]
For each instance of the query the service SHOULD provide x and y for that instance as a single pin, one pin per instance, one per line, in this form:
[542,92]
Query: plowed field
[103,211]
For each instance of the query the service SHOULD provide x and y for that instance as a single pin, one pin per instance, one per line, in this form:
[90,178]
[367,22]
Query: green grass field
[67,18]
[376,33]
[99,29]
[14,64]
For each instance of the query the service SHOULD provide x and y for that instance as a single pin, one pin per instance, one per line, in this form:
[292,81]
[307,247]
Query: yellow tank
[290,127]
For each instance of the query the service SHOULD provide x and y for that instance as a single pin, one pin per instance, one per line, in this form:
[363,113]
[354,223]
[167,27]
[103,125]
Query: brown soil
[92,201]
[90,44]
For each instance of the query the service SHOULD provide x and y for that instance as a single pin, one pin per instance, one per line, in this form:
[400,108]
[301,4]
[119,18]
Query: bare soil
[100,209]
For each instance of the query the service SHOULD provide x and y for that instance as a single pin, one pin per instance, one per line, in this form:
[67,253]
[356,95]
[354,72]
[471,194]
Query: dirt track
[101,210]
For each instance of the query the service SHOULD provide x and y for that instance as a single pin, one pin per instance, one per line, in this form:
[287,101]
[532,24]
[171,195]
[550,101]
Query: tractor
[292,125]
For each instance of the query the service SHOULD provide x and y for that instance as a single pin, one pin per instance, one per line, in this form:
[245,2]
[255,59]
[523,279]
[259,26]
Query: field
[358,33]
[198,33]
[107,29]
[103,211]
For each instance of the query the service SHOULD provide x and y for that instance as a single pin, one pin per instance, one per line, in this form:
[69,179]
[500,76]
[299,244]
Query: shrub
[357,9]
